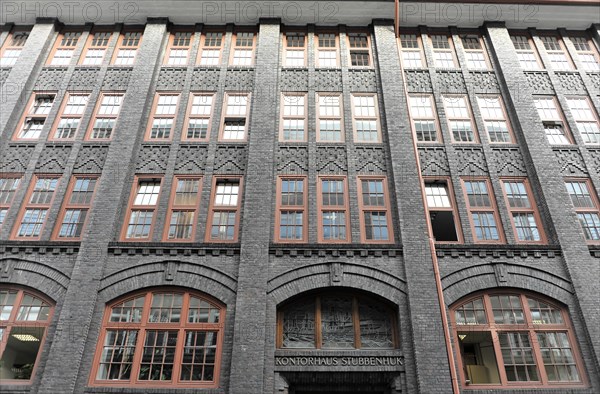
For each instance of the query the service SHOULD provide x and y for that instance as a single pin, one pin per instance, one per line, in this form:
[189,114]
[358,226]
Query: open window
[440,203]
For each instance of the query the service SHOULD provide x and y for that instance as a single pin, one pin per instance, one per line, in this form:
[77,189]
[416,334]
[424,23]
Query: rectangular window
[11,50]
[552,120]
[142,208]
[412,55]
[64,48]
[178,50]
[163,116]
[199,117]
[95,48]
[329,117]
[295,49]
[495,119]
[68,121]
[375,214]
[585,202]
[459,118]
[365,115]
[528,57]
[234,126]
[334,221]
[183,209]
[523,211]
[8,187]
[518,357]
[424,122]
[482,211]
[34,119]
[211,47]
[586,119]
[327,49]
[291,220]
[360,49]
[556,52]
[224,217]
[105,117]
[474,52]
[243,48]
[34,212]
[293,117]
[586,52]
[127,47]
[442,214]
[76,207]
[443,52]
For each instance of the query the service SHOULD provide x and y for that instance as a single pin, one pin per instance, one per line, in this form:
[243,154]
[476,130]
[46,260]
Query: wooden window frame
[336,49]
[504,118]
[593,197]
[363,209]
[368,49]
[467,34]
[375,118]
[212,208]
[434,119]
[561,118]
[532,50]
[319,117]
[235,47]
[454,207]
[132,207]
[195,208]
[337,208]
[171,46]
[29,113]
[287,48]
[593,51]
[203,46]
[121,45]
[451,49]
[470,118]
[27,205]
[280,208]
[154,116]
[592,109]
[8,204]
[563,50]
[493,209]
[8,44]
[88,45]
[13,322]
[283,117]
[530,327]
[225,117]
[419,49]
[61,115]
[144,325]
[532,210]
[58,46]
[68,205]
[97,115]
[189,116]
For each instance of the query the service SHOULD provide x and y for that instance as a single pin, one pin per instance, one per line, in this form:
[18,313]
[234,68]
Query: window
[585,202]
[526,52]
[586,119]
[556,53]
[523,212]
[291,209]
[513,339]
[183,208]
[210,51]
[96,47]
[234,126]
[69,119]
[552,120]
[336,321]
[360,49]
[35,210]
[224,210]
[160,338]
[76,207]
[24,319]
[483,212]
[329,117]
[180,43]
[35,116]
[440,203]
[127,47]
[243,48]
[443,52]
[366,119]
[374,205]
[494,118]
[142,209]
[412,56]
[164,112]
[64,48]
[422,114]
[474,52]
[12,47]
[199,117]
[8,187]
[458,114]
[588,57]
[295,49]
[293,118]
[334,221]
[327,49]
[105,117]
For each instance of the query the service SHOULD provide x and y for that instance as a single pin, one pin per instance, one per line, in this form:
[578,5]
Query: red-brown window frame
[471,118]
[120,45]
[57,46]
[287,49]
[68,205]
[189,116]
[96,115]
[7,205]
[171,45]
[88,44]
[28,113]
[318,116]
[28,205]
[281,208]
[561,117]
[533,49]
[533,210]
[188,208]
[318,48]
[61,115]
[374,208]
[451,48]
[493,209]
[144,326]
[592,109]
[593,49]
[563,49]
[7,45]
[224,116]
[234,47]
[131,207]
[337,208]
[355,118]
[203,46]
[435,119]
[283,117]
[213,207]
[505,117]
[419,50]
[153,116]
[368,49]
[454,207]
[595,201]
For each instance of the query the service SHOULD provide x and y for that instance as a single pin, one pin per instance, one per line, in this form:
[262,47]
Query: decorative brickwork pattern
[485,82]
[418,81]
[471,161]
[53,159]
[571,162]
[450,82]
[240,80]
[152,159]
[171,78]
[117,78]
[292,160]
[91,159]
[434,161]
[205,79]
[294,80]
[332,160]
[51,78]
[363,81]
[539,82]
[231,160]
[15,158]
[84,78]
[571,82]
[370,160]
[508,161]
[329,80]
[4,75]
[191,159]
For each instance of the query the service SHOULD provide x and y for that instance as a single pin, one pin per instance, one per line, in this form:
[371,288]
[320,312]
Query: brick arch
[36,275]
[207,280]
[487,276]
[336,274]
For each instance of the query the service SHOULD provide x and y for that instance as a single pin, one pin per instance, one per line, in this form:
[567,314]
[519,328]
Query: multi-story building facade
[300,197]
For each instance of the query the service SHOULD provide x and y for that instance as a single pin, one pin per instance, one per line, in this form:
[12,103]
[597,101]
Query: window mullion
[356,321]
[318,327]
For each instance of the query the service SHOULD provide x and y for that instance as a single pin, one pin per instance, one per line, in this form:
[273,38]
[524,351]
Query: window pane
[557,356]
[543,313]
[166,308]
[517,354]
[337,326]
[20,353]
[507,309]
[201,311]
[7,303]
[158,355]
[199,356]
[472,312]
[116,360]
[299,325]
[375,326]
[147,192]
[129,311]
[437,196]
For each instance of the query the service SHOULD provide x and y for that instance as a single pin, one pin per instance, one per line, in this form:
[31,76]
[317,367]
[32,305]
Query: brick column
[430,356]
[247,367]
[66,352]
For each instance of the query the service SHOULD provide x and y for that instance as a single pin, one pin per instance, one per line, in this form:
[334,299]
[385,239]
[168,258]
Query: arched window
[160,338]
[515,340]
[24,319]
[336,321]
